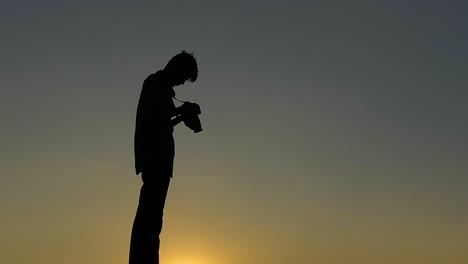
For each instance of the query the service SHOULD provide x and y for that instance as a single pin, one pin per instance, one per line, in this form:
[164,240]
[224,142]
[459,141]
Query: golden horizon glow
[177,251]
[188,260]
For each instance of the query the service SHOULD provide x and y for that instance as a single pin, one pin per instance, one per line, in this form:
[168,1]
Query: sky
[334,132]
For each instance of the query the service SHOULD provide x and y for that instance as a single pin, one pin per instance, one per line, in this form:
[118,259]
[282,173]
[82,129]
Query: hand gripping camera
[191,119]
[190,112]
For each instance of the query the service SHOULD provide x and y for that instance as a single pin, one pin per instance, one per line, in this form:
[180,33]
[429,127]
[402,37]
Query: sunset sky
[335,132]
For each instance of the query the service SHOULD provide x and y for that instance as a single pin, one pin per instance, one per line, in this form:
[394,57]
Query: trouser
[144,244]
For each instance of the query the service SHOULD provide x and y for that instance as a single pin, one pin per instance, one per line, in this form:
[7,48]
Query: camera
[190,116]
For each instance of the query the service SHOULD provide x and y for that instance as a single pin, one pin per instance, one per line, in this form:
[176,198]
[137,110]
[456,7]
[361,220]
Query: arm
[175,121]
[182,111]
[176,116]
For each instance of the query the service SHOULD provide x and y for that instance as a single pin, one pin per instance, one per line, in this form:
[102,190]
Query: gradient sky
[335,132]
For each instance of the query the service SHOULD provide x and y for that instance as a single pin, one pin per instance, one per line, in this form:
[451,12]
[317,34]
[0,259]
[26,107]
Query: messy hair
[186,62]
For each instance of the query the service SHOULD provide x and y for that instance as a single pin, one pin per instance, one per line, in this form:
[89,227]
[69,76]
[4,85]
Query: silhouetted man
[154,150]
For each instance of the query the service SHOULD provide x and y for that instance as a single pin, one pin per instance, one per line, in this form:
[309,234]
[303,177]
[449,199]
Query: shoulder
[152,79]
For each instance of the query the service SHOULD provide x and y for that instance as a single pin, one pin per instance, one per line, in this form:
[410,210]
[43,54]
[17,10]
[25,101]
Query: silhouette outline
[154,150]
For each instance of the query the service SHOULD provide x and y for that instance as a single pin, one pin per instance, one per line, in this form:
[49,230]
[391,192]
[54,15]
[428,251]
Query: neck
[168,78]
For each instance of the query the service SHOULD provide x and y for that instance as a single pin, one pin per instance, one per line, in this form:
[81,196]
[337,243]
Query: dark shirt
[154,142]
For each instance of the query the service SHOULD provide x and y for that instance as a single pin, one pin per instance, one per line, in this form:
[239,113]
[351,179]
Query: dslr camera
[190,112]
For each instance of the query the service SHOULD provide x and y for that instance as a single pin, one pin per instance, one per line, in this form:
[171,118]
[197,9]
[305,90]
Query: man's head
[181,68]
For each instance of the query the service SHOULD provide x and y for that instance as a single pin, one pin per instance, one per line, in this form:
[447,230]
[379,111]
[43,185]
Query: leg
[144,244]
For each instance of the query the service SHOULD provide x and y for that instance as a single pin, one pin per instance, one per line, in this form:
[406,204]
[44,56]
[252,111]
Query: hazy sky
[335,132]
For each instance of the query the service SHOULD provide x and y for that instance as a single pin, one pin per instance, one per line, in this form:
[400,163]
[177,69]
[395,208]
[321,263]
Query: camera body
[190,116]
